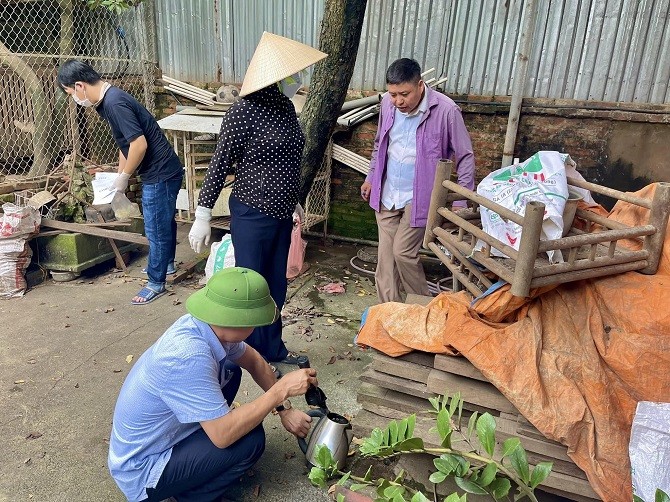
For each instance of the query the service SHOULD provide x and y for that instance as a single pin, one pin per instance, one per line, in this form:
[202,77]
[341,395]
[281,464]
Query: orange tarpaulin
[574,359]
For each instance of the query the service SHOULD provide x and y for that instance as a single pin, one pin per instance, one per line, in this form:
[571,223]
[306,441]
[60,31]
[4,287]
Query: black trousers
[261,243]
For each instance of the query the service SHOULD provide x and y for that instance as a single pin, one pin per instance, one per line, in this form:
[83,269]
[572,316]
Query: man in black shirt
[143,150]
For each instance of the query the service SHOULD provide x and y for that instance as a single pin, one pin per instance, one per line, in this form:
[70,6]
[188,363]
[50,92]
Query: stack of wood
[393,388]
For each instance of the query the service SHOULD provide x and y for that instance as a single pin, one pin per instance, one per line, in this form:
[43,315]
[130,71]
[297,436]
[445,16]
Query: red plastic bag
[296,253]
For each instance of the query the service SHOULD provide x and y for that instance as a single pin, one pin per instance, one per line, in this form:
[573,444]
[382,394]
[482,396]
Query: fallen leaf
[31,361]
[76,386]
[289,455]
[116,371]
[257,490]
[332,360]
[67,326]
[332,349]
[34,435]
[19,381]
[109,309]
[339,382]
[350,345]
[330,321]
[27,461]
[129,358]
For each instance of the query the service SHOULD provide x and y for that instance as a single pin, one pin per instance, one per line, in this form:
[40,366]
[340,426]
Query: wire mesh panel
[39,124]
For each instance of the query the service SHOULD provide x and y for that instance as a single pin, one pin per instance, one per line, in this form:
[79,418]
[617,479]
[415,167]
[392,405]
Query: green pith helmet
[234,297]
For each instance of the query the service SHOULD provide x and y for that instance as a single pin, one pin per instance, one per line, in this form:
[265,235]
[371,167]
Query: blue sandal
[148,294]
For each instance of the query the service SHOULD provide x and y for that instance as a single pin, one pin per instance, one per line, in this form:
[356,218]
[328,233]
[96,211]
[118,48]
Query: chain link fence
[40,126]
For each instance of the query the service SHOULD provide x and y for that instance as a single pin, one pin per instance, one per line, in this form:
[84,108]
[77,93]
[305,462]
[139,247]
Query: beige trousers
[398,265]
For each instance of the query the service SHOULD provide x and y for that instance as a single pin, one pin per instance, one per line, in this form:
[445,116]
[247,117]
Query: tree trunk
[340,34]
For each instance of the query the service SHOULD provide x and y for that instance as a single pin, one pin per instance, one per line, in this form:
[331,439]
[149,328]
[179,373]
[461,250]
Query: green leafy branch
[116,6]
[482,470]
[659,496]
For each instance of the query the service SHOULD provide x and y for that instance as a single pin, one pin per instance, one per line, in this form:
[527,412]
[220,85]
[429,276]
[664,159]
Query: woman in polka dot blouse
[261,140]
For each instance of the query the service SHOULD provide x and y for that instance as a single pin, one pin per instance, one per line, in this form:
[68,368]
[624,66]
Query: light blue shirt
[172,387]
[398,187]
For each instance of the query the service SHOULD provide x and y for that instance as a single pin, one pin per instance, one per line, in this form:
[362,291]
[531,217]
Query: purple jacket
[440,135]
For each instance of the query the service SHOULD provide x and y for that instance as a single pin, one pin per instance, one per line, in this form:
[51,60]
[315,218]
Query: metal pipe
[520,74]
[358,103]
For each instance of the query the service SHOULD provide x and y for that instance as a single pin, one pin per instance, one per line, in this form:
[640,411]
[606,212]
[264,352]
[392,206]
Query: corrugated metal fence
[604,50]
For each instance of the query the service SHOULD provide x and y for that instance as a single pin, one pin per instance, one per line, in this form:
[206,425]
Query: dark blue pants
[198,471]
[261,243]
[159,202]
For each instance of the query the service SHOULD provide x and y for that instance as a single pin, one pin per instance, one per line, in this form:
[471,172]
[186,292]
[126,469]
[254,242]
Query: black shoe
[291,358]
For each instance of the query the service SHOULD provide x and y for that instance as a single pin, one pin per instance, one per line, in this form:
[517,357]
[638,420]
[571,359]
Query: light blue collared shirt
[173,386]
[398,187]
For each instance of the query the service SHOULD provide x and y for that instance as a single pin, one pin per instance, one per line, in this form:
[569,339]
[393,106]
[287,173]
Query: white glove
[200,232]
[298,214]
[121,182]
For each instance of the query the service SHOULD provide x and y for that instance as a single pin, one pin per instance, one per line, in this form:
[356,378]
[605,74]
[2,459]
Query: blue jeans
[261,243]
[159,203]
[198,471]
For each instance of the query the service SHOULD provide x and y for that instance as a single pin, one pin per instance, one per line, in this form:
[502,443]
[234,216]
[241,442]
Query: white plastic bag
[541,178]
[649,449]
[103,188]
[221,255]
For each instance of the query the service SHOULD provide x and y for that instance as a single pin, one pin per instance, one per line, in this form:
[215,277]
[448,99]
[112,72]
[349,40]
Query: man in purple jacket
[417,127]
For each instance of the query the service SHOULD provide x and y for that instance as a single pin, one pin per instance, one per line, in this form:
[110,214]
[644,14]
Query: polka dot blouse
[261,139]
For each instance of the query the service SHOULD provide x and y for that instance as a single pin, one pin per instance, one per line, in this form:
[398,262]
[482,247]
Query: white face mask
[291,85]
[86,103]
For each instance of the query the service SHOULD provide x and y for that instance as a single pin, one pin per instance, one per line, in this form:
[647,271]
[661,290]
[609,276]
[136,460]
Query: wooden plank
[567,485]
[419,357]
[403,403]
[525,428]
[472,391]
[396,383]
[184,271]
[400,368]
[99,232]
[458,366]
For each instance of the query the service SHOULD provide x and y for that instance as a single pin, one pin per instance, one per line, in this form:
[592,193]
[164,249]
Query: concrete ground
[66,348]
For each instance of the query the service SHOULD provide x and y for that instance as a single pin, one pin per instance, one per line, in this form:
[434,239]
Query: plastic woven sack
[221,255]
[541,178]
[649,449]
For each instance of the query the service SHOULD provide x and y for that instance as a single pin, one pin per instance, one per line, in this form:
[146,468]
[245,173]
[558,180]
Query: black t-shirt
[130,120]
[261,137]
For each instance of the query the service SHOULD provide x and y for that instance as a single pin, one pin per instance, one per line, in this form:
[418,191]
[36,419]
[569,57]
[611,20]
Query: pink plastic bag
[296,253]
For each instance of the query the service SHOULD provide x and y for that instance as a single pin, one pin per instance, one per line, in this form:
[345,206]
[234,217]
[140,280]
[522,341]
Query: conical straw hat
[276,58]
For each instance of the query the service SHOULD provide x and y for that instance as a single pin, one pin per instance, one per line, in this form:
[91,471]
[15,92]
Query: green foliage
[484,469]
[116,6]
[659,496]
